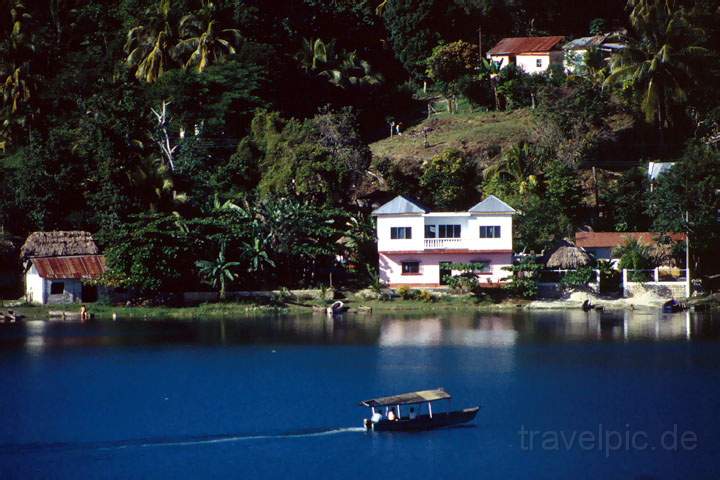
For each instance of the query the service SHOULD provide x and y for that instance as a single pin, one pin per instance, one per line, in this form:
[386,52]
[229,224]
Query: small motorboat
[672,306]
[402,413]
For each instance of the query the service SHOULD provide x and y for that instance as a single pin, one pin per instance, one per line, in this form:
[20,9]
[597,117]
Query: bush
[523,279]
[407,293]
[578,278]
[464,283]
[426,296]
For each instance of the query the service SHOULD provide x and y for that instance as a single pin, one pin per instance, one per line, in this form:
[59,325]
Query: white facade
[414,245]
[530,63]
[41,291]
[538,62]
[469,232]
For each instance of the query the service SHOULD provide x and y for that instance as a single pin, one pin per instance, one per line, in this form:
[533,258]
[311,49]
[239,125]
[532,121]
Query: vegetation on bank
[204,146]
[232,309]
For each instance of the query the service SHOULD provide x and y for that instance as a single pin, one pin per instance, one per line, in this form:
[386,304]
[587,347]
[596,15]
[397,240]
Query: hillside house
[531,54]
[575,51]
[416,247]
[58,266]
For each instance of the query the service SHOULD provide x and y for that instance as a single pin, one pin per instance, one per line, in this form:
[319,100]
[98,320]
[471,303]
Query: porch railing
[442,242]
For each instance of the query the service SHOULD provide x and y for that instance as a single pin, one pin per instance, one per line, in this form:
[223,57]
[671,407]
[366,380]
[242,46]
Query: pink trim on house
[429,275]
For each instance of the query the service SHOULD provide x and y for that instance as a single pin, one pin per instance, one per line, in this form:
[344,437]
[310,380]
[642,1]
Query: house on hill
[417,247]
[532,54]
[58,266]
[575,51]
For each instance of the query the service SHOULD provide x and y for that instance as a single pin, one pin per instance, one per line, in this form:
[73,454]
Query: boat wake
[167,442]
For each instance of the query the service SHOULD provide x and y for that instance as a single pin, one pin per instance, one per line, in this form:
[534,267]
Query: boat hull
[425,422]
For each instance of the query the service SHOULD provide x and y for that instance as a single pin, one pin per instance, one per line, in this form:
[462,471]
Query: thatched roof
[566,255]
[58,244]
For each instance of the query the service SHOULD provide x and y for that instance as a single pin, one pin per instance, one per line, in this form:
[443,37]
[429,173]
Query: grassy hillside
[481,133]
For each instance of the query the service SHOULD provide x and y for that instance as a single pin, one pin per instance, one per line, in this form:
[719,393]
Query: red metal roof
[81,266]
[615,239]
[517,45]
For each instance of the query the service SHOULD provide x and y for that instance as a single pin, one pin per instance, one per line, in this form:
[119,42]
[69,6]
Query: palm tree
[148,46]
[219,271]
[657,62]
[380,9]
[519,164]
[352,71]
[203,41]
[314,53]
[490,69]
[152,180]
[16,81]
[342,69]
[256,255]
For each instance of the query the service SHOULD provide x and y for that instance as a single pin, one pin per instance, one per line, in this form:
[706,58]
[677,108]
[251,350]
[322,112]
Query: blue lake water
[563,395]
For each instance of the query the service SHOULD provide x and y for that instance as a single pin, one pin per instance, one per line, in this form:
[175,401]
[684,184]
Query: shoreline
[356,306]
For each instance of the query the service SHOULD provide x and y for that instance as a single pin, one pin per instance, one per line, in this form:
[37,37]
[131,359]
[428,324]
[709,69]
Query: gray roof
[584,42]
[492,204]
[398,205]
[408,398]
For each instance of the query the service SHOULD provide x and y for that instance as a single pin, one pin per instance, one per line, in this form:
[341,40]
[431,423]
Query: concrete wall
[415,222]
[429,276]
[72,291]
[37,289]
[34,287]
[661,289]
[503,60]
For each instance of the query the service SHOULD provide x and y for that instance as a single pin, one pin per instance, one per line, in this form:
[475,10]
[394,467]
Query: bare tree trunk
[164,141]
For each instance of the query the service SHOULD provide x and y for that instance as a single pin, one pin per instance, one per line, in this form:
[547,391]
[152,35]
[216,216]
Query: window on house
[430,231]
[397,233]
[448,231]
[57,288]
[538,62]
[490,231]
[410,268]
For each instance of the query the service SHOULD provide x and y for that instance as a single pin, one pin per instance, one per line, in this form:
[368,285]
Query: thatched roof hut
[567,256]
[58,244]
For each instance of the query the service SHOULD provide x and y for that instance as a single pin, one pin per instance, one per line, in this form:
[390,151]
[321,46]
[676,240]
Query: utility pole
[480,42]
[688,290]
[597,194]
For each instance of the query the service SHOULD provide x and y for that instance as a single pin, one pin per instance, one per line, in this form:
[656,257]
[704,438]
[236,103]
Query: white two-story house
[416,247]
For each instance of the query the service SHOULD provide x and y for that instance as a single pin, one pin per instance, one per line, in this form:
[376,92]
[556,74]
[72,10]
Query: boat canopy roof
[408,398]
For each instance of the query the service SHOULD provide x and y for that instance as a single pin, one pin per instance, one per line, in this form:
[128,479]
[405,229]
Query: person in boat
[412,415]
[376,417]
[391,415]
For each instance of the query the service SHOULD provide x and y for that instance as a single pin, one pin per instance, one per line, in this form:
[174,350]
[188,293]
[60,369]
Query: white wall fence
[662,282]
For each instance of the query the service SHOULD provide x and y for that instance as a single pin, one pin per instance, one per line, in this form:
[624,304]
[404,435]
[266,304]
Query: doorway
[445,271]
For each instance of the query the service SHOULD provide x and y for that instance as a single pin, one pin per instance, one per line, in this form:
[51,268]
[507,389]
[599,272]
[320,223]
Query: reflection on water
[474,329]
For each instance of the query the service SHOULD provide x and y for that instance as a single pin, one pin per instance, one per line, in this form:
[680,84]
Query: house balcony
[441,243]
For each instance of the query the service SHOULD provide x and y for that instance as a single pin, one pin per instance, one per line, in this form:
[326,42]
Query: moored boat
[403,412]
[673,306]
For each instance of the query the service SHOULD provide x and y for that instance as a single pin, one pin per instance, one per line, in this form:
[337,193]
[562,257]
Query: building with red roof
[601,244]
[531,54]
[60,267]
